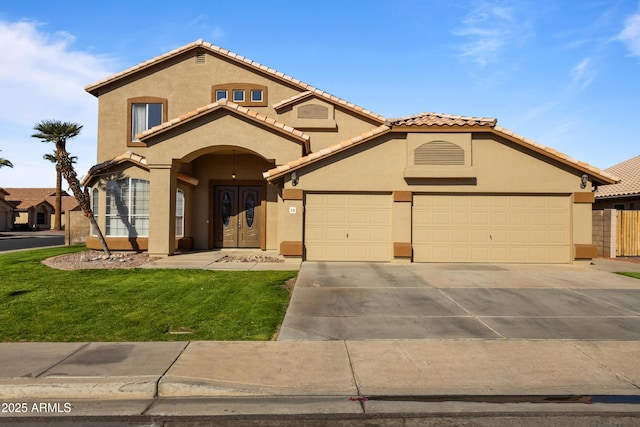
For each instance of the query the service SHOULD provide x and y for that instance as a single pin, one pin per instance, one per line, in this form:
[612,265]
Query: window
[245,94]
[256,95]
[127,208]
[143,117]
[221,94]
[238,95]
[94,208]
[179,213]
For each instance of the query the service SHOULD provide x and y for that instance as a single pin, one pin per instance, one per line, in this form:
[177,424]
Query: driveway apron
[369,301]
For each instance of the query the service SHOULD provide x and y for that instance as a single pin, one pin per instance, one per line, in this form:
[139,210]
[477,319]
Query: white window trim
[180,218]
[233,94]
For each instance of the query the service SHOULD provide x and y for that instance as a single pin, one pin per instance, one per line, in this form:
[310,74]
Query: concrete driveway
[366,301]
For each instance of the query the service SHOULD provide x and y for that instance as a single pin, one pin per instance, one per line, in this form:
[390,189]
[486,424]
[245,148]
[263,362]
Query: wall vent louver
[200,57]
[439,153]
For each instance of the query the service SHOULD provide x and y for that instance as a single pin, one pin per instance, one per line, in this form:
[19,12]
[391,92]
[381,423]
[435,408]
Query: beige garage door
[487,228]
[348,227]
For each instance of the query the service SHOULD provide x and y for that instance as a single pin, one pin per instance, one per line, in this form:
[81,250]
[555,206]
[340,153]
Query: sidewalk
[320,377]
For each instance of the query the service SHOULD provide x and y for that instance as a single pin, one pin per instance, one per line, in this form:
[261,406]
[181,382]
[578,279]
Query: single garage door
[348,227]
[491,228]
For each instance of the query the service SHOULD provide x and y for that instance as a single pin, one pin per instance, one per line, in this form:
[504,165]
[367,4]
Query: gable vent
[439,153]
[200,57]
[313,111]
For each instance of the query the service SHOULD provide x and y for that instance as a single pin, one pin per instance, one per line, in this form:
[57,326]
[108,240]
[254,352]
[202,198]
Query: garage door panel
[357,227]
[497,228]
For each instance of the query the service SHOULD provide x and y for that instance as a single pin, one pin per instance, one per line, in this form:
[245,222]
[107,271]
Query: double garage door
[444,228]
[491,228]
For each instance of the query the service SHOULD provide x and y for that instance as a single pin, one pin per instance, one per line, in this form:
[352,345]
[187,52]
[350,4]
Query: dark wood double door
[237,216]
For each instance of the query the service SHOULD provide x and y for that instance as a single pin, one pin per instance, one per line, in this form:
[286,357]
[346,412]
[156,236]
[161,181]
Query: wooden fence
[628,233]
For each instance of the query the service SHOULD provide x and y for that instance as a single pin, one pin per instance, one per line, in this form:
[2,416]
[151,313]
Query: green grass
[631,274]
[38,303]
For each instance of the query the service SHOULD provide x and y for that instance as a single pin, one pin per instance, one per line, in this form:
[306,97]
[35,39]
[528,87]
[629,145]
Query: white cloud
[43,77]
[488,29]
[583,74]
[630,35]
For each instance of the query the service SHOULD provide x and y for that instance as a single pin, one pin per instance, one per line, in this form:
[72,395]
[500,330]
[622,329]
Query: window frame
[237,100]
[253,91]
[137,209]
[131,142]
[180,218]
[226,94]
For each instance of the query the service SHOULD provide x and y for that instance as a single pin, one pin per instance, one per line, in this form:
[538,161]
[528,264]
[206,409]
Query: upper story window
[257,95]
[144,113]
[221,94]
[238,95]
[245,94]
[144,116]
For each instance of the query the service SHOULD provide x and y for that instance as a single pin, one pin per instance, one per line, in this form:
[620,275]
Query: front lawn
[38,303]
[631,274]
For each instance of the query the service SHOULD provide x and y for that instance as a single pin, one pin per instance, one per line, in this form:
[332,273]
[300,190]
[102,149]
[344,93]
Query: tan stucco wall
[497,166]
[187,86]
[227,131]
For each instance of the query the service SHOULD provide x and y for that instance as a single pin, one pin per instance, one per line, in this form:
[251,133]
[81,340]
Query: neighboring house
[6,212]
[624,195]
[202,148]
[34,207]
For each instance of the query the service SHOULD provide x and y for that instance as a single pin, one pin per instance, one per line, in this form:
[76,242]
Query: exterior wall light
[233,171]
[583,181]
[294,179]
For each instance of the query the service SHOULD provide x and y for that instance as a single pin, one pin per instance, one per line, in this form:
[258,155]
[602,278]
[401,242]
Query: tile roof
[437,119]
[129,156]
[223,103]
[629,172]
[440,120]
[25,198]
[93,88]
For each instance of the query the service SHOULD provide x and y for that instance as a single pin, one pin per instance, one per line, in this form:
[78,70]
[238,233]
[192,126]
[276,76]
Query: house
[34,208]
[6,212]
[624,195]
[201,148]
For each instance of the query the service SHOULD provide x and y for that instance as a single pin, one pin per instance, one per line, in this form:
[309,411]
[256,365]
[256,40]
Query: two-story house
[202,148]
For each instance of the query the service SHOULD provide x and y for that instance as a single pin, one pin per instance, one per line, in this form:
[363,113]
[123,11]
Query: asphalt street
[19,240]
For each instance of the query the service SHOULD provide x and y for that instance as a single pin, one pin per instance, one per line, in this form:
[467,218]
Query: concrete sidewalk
[321,377]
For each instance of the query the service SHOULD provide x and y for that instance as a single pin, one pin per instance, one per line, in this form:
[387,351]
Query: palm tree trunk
[57,219]
[81,196]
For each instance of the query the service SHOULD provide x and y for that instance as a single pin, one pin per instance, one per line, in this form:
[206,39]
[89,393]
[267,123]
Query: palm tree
[59,132]
[57,222]
[5,162]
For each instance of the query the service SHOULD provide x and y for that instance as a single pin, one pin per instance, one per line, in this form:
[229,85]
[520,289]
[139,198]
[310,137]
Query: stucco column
[162,208]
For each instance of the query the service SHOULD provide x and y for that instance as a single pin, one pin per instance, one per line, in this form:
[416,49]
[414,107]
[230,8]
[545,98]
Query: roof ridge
[239,58]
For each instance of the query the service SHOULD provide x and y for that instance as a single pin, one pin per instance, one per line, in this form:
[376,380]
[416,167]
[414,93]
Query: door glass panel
[249,205]
[226,209]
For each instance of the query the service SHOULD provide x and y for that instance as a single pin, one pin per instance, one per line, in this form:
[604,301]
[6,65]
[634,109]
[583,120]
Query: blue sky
[563,73]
